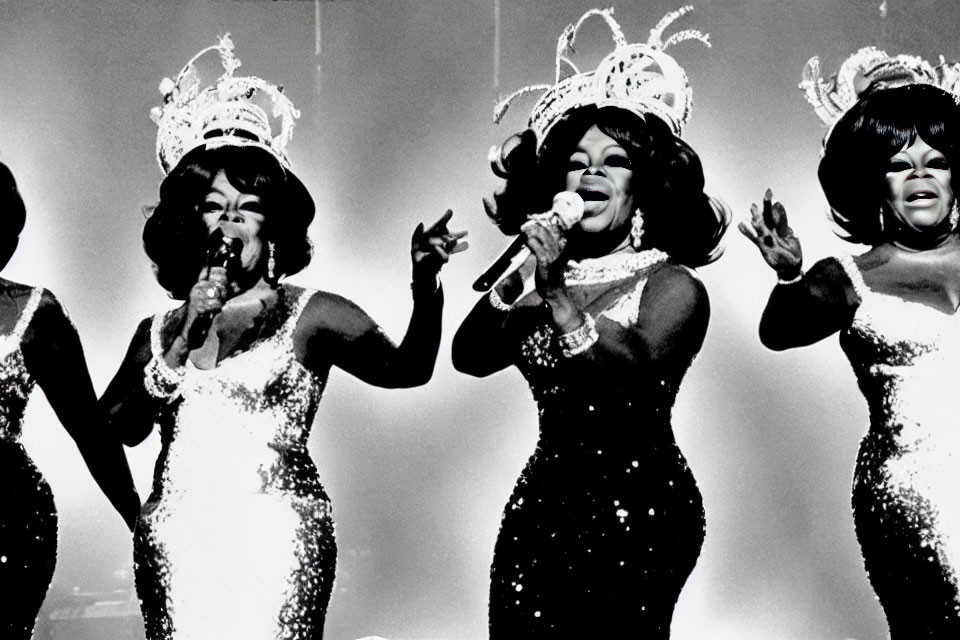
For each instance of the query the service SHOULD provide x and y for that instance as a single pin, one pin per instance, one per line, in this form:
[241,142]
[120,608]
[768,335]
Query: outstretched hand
[432,247]
[769,230]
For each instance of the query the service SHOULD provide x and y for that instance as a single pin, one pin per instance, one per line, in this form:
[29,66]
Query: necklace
[613,267]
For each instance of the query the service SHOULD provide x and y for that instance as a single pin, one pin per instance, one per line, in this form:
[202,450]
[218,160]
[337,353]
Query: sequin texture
[906,357]
[605,522]
[237,538]
[28,520]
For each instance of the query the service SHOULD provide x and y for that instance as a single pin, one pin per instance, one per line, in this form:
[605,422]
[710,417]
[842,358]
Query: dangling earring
[954,215]
[881,219]
[636,229]
[271,261]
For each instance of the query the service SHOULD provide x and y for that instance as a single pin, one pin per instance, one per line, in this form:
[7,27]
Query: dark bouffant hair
[13,215]
[175,237]
[884,121]
[667,184]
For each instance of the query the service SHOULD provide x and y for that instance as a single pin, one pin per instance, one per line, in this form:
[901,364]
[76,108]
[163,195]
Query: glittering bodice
[15,381]
[618,281]
[906,357]
[606,521]
[252,413]
[237,539]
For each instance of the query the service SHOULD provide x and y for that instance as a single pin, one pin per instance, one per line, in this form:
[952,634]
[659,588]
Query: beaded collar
[612,268]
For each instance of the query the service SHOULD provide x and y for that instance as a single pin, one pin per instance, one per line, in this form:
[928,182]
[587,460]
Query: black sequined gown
[606,521]
[236,540]
[906,491]
[28,519]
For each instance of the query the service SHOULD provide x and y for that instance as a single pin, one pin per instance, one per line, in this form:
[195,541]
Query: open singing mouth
[918,196]
[589,195]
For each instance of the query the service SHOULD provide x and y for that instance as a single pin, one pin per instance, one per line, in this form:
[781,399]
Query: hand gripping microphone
[567,210]
[221,252]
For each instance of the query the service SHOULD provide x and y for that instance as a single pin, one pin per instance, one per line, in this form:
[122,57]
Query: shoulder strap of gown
[156,325]
[853,272]
[31,307]
[296,309]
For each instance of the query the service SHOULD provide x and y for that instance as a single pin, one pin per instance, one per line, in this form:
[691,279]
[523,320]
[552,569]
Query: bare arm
[130,412]
[335,331]
[799,314]
[802,309]
[484,341]
[54,356]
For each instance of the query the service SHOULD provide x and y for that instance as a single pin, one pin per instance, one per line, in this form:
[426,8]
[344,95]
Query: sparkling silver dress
[906,491]
[237,540]
[28,518]
[606,521]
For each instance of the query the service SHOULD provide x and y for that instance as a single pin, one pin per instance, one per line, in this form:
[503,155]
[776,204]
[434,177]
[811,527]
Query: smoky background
[396,97]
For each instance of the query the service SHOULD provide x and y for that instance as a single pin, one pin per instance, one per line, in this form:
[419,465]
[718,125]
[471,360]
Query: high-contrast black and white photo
[243,225]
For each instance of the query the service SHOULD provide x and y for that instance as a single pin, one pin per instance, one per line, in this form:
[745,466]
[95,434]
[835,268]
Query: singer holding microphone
[606,521]
[236,539]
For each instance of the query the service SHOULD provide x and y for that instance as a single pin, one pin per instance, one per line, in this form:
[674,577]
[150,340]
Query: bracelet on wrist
[794,280]
[160,381]
[580,339]
[496,301]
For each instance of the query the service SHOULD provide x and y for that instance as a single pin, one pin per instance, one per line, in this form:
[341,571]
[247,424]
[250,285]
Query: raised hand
[769,230]
[431,248]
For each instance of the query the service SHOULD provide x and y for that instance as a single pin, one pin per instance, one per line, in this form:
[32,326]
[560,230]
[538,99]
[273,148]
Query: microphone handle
[501,265]
[197,334]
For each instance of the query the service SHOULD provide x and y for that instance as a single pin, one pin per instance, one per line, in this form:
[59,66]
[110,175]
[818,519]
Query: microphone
[222,252]
[567,210]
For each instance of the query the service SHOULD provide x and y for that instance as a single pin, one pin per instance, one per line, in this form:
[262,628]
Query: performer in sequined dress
[39,345]
[606,521]
[237,540]
[888,174]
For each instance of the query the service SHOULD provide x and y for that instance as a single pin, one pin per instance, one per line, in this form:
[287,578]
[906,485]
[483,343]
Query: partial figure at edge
[39,346]
[890,173]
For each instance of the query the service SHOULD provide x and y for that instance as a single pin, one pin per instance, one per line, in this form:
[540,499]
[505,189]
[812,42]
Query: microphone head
[221,250]
[568,207]
[235,244]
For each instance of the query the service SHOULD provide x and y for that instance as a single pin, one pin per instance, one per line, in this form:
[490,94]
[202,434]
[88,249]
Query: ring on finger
[212,292]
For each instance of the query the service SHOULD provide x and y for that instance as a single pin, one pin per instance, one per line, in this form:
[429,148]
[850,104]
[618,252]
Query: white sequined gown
[236,541]
[906,494]
[28,519]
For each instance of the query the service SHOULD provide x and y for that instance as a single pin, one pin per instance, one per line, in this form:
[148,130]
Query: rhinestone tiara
[200,110]
[640,78]
[871,68]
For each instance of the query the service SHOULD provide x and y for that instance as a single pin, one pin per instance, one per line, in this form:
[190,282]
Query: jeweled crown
[638,77]
[871,68]
[221,111]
